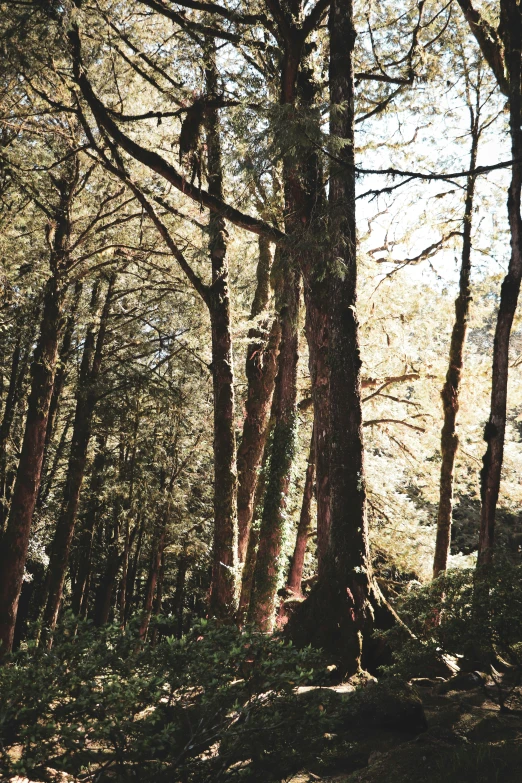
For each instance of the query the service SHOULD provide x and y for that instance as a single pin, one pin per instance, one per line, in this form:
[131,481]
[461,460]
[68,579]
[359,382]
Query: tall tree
[450,392]
[501,49]
[346,605]
[15,539]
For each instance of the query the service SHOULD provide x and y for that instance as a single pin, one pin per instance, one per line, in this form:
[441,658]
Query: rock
[466,681]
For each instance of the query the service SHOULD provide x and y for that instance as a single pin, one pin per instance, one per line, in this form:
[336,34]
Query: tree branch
[154,161]
[489,42]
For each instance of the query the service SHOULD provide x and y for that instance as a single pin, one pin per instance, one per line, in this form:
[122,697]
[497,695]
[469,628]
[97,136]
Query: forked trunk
[261,371]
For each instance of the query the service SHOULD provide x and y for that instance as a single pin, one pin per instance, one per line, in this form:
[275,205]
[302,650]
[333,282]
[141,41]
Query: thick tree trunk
[223,592]
[345,605]
[267,572]
[494,433]
[305,524]
[16,536]
[85,406]
[450,393]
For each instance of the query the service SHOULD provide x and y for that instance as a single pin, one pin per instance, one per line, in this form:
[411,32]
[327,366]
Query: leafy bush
[100,706]
[475,617]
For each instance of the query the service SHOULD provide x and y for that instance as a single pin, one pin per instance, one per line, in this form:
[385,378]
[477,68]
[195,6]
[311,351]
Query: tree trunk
[16,536]
[345,605]
[494,433]
[59,382]
[152,580]
[317,337]
[223,592]
[261,371]
[85,406]
[305,523]
[247,575]
[267,572]
[13,393]
[450,393]
[86,535]
[139,528]
[178,602]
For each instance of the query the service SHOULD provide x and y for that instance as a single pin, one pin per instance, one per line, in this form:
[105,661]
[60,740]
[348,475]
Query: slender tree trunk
[59,383]
[223,592]
[305,523]
[152,580]
[267,572]
[105,591]
[178,602]
[261,371]
[138,529]
[86,403]
[450,393]
[317,337]
[13,392]
[86,535]
[494,433]
[247,575]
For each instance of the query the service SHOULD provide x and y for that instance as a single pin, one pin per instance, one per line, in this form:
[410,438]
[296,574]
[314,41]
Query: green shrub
[475,617]
[102,706]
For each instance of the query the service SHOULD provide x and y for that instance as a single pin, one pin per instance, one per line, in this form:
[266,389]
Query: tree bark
[345,605]
[261,371]
[316,324]
[494,433]
[305,524]
[223,590]
[450,393]
[86,535]
[85,406]
[59,382]
[152,580]
[178,602]
[16,536]
[13,394]
[267,571]
[247,575]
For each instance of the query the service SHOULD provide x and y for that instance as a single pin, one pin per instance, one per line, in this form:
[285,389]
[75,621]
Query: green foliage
[101,703]
[464,614]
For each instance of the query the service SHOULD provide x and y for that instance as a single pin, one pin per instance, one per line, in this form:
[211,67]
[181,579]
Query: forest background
[186,431]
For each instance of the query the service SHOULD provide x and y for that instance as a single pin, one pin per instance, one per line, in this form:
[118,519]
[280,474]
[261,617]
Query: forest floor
[432,731]
[468,739]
